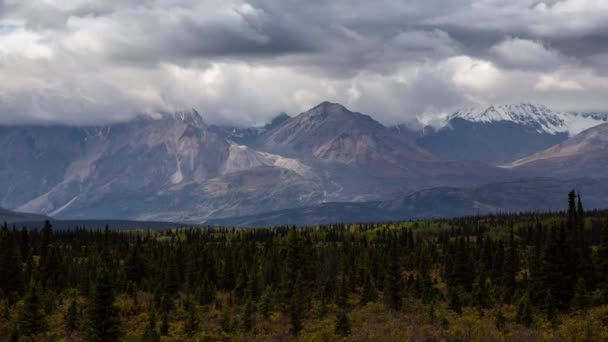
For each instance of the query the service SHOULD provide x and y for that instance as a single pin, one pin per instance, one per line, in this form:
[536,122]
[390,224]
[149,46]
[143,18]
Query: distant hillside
[101,224]
[13,216]
[541,194]
[584,155]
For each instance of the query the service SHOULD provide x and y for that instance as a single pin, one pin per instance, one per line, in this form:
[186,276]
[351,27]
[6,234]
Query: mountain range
[338,164]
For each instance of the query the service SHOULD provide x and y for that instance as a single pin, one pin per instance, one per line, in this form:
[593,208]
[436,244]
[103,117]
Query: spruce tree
[51,270]
[134,267]
[558,271]
[45,242]
[369,293]
[293,263]
[342,324]
[265,305]
[343,292]
[164,324]
[296,307]
[24,244]
[510,265]
[71,316]
[166,303]
[248,316]
[550,308]
[480,292]
[31,319]
[500,318]
[103,322]
[454,301]
[432,312]
[241,285]
[579,300]
[11,275]
[5,309]
[524,311]
[572,215]
[226,320]
[253,289]
[191,324]
[602,256]
[393,281]
[583,250]
[150,333]
[14,335]
[206,292]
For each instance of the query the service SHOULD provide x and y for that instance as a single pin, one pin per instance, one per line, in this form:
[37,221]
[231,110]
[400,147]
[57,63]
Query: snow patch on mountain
[578,122]
[541,118]
[538,117]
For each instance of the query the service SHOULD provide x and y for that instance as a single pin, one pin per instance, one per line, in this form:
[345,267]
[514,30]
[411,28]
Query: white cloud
[237,61]
[19,43]
[549,83]
[475,74]
[524,53]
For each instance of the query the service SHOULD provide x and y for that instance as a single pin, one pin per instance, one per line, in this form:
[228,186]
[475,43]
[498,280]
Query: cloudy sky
[242,62]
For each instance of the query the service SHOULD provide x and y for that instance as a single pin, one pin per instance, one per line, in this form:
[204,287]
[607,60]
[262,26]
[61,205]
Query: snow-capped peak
[541,118]
[538,117]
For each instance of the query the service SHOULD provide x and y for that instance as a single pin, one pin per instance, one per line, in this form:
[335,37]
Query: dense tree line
[543,265]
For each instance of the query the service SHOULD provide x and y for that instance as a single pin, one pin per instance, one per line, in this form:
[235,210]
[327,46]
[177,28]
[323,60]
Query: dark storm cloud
[243,61]
[247,32]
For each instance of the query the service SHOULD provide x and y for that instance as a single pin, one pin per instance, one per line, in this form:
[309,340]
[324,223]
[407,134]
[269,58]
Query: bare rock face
[584,155]
[161,168]
[383,159]
[331,132]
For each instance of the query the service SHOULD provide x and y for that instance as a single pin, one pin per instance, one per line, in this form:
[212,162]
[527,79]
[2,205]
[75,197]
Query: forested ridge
[532,276]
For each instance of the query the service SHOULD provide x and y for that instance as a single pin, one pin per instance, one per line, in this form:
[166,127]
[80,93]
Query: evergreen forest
[507,277]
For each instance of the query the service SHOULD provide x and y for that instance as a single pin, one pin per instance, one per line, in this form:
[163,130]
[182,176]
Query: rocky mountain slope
[585,154]
[331,132]
[247,135]
[172,168]
[346,143]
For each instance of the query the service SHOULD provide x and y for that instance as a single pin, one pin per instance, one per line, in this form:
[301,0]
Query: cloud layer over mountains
[242,62]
